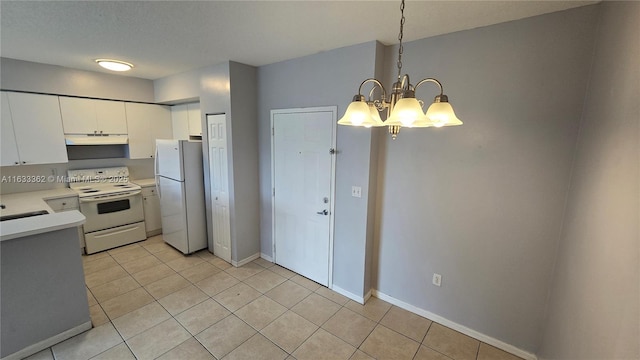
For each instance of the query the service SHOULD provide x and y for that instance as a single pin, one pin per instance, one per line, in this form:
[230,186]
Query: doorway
[303,177]
[219,178]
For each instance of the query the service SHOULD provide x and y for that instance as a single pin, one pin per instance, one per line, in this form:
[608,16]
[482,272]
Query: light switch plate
[356,191]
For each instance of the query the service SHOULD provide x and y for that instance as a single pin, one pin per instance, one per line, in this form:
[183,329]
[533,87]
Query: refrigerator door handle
[155,162]
[155,172]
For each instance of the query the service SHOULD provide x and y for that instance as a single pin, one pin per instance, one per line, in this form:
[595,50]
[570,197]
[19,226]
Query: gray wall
[18,75]
[43,289]
[178,88]
[215,98]
[482,203]
[228,88]
[593,308]
[325,79]
[372,219]
[244,145]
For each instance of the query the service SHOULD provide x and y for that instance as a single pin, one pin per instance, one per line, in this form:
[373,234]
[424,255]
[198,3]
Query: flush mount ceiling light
[403,109]
[114,65]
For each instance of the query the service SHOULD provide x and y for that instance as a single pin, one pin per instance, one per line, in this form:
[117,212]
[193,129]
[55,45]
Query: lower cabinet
[68,204]
[151,204]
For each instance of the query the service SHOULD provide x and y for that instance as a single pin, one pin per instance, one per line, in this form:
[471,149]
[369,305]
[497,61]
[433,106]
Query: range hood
[92,139]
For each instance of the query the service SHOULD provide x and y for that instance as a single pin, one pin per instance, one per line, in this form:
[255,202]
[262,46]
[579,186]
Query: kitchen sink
[24,215]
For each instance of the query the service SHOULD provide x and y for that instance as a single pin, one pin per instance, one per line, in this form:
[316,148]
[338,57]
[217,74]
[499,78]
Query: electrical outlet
[356,191]
[437,279]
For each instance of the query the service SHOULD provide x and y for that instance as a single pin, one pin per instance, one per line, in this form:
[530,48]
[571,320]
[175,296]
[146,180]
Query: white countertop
[32,201]
[18,228]
[145,182]
[19,203]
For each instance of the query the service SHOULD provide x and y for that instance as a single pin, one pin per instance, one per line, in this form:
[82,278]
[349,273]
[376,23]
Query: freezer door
[173,213]
[169,159]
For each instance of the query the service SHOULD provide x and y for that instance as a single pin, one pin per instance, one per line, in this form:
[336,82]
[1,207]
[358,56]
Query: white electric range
[112,205]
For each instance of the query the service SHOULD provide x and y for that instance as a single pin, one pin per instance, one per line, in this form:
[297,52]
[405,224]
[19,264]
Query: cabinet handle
[64,204]
[24,162]
[17,163]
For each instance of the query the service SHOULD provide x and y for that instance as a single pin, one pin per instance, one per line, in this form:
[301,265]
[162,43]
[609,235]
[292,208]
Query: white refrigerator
[180,184]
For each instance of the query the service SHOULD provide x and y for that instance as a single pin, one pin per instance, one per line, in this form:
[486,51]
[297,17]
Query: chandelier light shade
[401,106]
[357,114]
[441,114]
[406,112]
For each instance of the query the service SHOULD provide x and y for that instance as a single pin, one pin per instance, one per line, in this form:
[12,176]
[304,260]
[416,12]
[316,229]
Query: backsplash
[15,179]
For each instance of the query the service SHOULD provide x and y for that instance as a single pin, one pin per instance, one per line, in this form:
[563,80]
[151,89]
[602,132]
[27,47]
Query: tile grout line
[377,322]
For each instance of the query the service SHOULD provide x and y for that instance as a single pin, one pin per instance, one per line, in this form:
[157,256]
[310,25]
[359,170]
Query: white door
[303,162]
[219,176]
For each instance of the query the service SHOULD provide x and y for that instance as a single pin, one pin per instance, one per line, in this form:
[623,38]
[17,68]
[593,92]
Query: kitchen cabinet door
[180,122]
[37,126]
[161,125]
[146,123]
[111,117]
[152,218]
[91,116]
[140,146]
[64,204]
[78,115]
[9,148]
[195,125]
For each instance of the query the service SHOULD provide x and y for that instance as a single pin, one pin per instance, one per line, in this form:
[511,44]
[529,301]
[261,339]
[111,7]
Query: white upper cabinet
[90,116]
[195,125]
[9,151]
[111,117]
[180,122]
[37,130]
[146,123]
[186,121]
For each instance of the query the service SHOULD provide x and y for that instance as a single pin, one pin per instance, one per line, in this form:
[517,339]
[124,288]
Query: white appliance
[180,184]
[112,205]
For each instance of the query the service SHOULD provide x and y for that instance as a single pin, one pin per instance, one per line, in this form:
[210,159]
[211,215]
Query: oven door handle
[109,198]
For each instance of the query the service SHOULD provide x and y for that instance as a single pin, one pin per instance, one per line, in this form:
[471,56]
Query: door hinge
[274,191]
[273,131]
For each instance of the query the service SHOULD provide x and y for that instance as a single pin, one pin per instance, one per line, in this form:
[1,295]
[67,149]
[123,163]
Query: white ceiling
[167,37]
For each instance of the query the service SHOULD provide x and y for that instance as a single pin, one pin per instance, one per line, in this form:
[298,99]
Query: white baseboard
[367,295]
[457,327]
[266,257]
[246,260]
[39,346]
[348,294]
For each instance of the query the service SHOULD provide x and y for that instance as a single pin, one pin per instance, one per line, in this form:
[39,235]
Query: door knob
[323,212]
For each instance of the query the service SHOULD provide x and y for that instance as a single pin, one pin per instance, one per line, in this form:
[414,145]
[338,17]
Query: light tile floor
[148,301]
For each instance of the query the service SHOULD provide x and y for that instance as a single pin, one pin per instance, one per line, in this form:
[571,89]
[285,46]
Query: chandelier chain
[400,36]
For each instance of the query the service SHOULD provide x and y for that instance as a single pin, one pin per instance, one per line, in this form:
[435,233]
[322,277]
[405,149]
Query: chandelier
[401,106]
